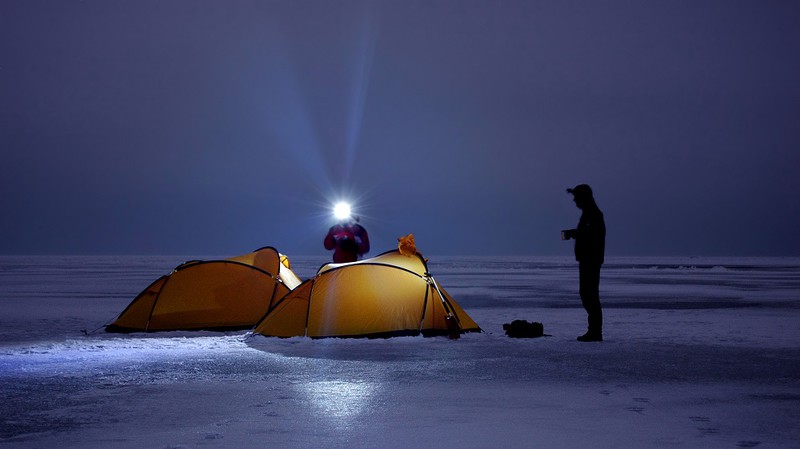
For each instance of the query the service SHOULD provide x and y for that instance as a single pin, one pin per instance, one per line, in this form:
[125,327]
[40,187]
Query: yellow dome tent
[233,293]
[388,295]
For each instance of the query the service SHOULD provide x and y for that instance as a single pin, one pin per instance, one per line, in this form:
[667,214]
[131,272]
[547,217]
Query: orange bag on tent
[406,245]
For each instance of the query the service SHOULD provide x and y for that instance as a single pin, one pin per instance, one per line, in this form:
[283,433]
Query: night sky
[218,127]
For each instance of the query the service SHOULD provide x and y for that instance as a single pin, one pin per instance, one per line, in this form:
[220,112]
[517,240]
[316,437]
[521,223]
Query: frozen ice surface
[698,353]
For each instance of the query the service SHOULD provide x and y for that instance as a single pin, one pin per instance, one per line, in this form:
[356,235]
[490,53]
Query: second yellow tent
[388,295]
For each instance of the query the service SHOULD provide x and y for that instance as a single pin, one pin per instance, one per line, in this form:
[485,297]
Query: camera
[567,234]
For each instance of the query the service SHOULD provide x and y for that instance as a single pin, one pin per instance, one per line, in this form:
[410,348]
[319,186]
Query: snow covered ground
[698,353]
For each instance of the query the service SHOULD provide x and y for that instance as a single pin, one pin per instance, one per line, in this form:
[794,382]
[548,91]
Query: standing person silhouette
[590,242]
[348,240]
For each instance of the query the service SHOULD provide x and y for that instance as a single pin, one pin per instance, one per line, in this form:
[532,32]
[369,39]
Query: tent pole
[453,325]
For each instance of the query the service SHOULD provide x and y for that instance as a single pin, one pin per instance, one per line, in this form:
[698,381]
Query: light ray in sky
[367,42]
[287,115]
[291,118]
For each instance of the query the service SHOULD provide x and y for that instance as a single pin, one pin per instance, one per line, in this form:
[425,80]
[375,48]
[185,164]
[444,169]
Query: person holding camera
[590,241]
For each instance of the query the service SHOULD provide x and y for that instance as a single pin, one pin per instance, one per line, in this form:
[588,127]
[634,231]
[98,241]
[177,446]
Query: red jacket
[348,240]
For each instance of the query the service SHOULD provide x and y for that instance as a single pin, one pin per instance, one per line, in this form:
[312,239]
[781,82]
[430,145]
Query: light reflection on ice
[342,401]
[76,356]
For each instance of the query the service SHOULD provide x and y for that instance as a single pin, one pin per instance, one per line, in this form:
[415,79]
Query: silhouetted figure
[348,240]
[590,242]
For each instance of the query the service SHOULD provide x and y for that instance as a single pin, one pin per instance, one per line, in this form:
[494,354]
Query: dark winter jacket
[590,236]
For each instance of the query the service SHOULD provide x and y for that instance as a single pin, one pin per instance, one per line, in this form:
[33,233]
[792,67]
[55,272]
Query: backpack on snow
[523,329]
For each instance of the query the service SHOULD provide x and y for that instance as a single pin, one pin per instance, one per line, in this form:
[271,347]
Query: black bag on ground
[523,329]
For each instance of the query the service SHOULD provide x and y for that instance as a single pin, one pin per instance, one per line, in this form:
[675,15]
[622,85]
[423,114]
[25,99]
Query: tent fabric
[391,294]
[232,293]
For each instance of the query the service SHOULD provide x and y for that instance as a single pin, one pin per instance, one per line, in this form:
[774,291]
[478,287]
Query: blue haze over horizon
[217,127]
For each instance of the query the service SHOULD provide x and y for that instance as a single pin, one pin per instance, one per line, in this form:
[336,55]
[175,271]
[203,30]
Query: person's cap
[581,190]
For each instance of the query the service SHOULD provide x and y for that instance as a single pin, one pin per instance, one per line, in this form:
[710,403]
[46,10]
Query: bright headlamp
[342,210]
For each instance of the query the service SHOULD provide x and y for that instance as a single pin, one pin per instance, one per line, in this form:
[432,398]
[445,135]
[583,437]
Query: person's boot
[591,336]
